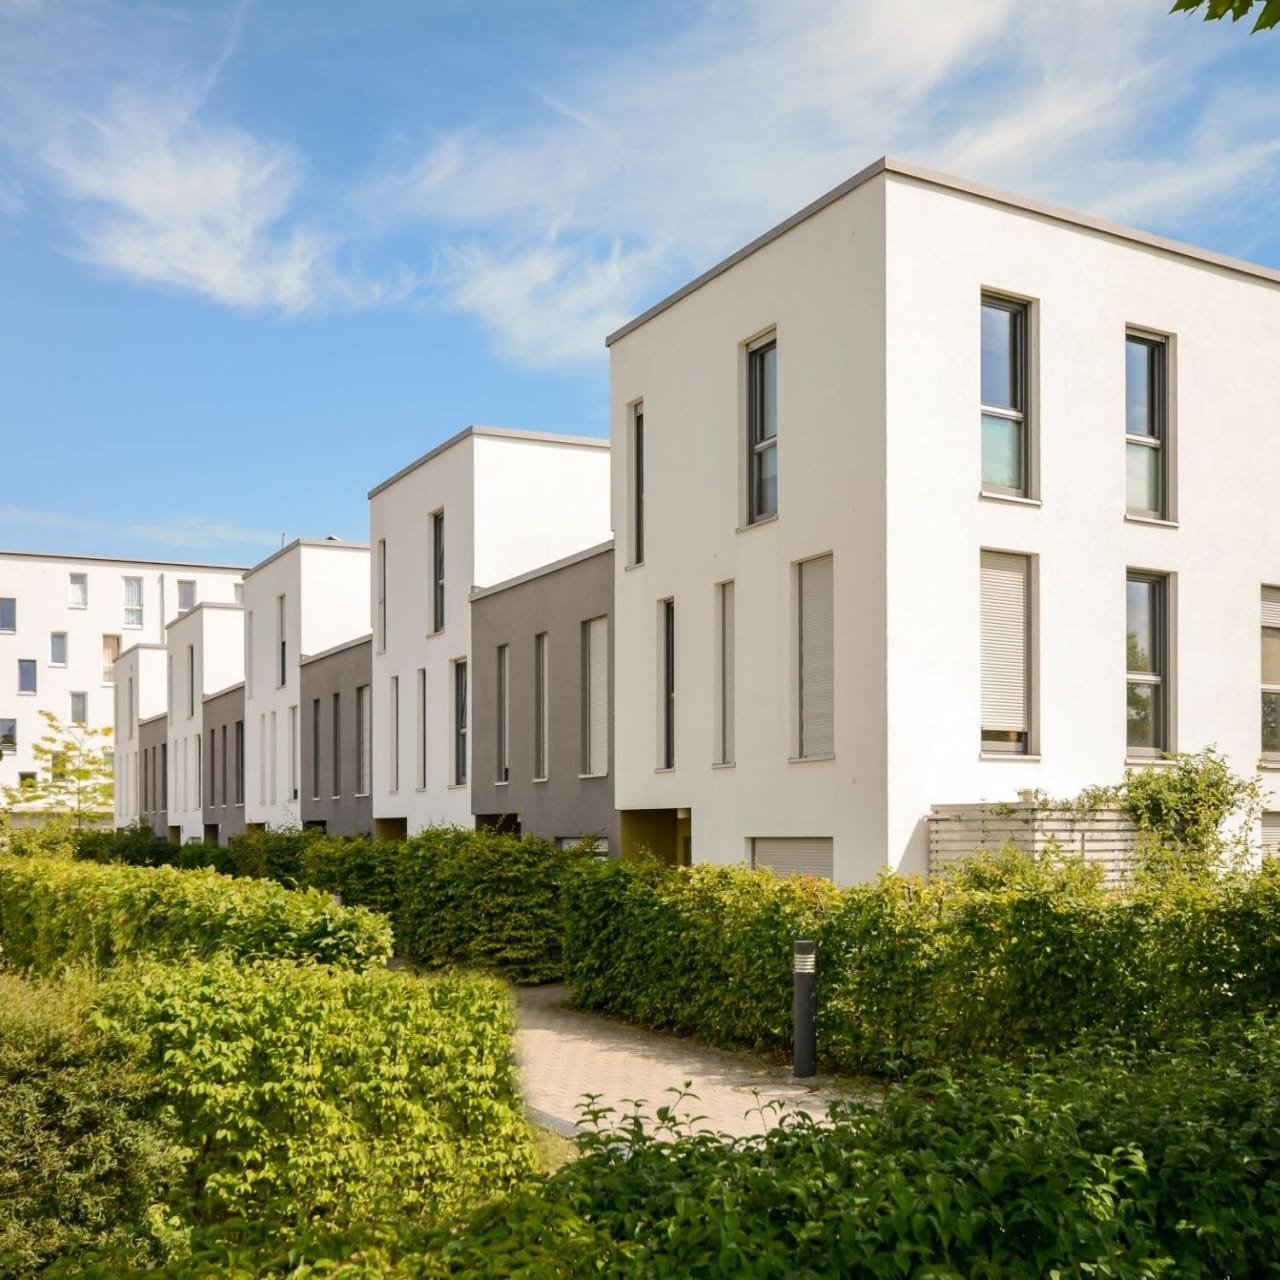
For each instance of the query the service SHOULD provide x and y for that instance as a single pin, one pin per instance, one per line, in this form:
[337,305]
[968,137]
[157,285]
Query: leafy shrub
[137,846]
[362,872]
[271,854]
[58,913]
[52,837]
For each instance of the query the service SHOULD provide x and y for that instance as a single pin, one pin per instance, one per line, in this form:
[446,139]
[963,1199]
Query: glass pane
[764,364]
[1142,478]
[1141,604]
[1000,356]
[766,481]
[1145,705]
[1271,655]
[1271,723]
[1139,412]
[8,614]
[1001,452]
[58,648]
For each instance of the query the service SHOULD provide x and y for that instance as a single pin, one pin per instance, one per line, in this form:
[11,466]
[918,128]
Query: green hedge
[135,846]
[1006,956]
[55,913]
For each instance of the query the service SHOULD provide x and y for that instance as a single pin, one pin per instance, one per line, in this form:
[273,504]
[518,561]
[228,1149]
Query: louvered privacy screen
[794,855]
[598,696]
[816,659]
[1271,831]
[1271,606]
[1004,642]
[726,725]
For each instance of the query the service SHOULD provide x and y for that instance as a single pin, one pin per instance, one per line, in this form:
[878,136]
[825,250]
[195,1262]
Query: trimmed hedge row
[1005,956]
[55,913]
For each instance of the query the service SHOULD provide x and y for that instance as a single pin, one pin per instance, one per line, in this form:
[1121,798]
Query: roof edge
[367,638]
[203,604]
[218,693]
[157,564]
[566,562]
[330,543]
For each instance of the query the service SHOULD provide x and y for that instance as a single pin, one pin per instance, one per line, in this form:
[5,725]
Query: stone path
[565,1054]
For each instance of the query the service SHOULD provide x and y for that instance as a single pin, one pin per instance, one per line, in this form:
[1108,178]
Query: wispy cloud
[178,532]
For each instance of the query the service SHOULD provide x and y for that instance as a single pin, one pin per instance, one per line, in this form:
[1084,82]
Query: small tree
[74,774]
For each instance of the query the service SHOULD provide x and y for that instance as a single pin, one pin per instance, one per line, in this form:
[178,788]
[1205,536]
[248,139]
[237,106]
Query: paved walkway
[565,1054]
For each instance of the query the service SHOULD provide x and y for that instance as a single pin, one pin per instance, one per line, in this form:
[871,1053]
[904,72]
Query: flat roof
[158,564]
[496,433]
[338,543]
[203,604]
[960,186]
[218,693]
[367,638]
[479,593]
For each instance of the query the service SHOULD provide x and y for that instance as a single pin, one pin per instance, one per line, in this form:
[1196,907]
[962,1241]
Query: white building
[63,622]
[484,506]
[205,656]
[140,694]
[926,496]
[304,599]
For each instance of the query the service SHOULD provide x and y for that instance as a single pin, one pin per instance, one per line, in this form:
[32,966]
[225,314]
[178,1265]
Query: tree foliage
[74,773]
[1268,10]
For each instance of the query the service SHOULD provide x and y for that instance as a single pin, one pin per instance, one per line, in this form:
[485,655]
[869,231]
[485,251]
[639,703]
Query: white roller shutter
[598,696]
[1271,606]
[793,855]
[727,676]
[1271,833]
[817,677]
[1004,642]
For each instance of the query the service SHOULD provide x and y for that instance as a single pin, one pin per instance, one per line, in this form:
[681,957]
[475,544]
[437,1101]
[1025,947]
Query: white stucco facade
[874,299]
[205,654]
[139,694]
[308,597]
[509,501]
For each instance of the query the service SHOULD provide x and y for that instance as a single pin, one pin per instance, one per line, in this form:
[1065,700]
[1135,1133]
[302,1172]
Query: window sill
[725,764]
[58,666]
[1017,757]
[988,495]
[26,693]
[456,786]
[1158,522]
[756,524]
[1143,762]
[639,564]
[1269,762]
[665,768]
[583,777]
[77,606]
[431,635]
[543,780]
[809,759]
[502,782]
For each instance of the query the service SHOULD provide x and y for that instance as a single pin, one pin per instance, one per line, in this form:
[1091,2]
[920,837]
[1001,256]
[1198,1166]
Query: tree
[74,774]
[1268,16]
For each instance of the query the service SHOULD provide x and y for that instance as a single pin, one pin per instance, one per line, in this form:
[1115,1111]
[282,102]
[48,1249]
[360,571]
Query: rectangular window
[78,591]
[262,757]
[223,768]
[422,727]
[191,681]
[8,735]
[667,676]
[273,757]
[133,706]
[595,697]
[1145,417]
[282,643]
[725,677]
[133,602]
[795,856]
[164,775]
[817,674]
[110,652]
[248,654]
[237,592]
[1006,683]
[1270,833]
[337,745]
[8,613]
[315,748]
[364,739]
[637,484]
[460,723]
[199,743]
[26,675]
[540,708]
[1271,673]
[239,762]
[394,719]
[437,571]
[504,713]
[57,648]
[1004,396]
[382,594]
[79,708]
[762,431]
[186,595]
[1147,656]
[293,753]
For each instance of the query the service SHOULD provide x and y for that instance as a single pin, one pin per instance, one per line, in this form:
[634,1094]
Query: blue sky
[254,257]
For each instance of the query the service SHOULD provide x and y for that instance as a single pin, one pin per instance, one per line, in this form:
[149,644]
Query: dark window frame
[1157,440]
[437,572]
[1020,412]
[668,756]
[759,444]
[460,712]
[337,745]
[637,482]
[1158,677]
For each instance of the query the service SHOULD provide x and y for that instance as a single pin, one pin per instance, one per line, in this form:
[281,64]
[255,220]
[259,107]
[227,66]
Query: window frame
[84,696]
[759,444]
[1160,660]
[1025,746]
[32,665]
[1159,398]
[1270,758]
[336,744]
[726,596]
[503,718]
[12,602]
[66,648]
[9,741]
[460,722]
[186,582]
[364,739]
[437,572]
[541,707]
[83,581]
[125,579]
[637,482]
[667,694]
[1020,309]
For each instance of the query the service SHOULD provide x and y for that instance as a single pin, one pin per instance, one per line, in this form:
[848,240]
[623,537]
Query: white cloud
[179,532]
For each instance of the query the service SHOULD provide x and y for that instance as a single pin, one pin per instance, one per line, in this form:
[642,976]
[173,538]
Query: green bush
[137,846]
[56,913]
[362,872]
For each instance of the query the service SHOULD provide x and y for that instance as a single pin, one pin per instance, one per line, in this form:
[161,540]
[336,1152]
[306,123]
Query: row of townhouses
[921,498]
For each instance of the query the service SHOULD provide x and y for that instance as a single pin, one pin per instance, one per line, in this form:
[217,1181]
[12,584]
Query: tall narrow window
[422,727]
[667,628]
[437,571]
[382,594]
[8,735]
[57,648]
[110,652]
[394,721]
[1006,684]
[239,762]
[1147,652]
[637,484]
[186,595]
[164,775]
[1271,673]
[817,674]
[1004,396]
[274,757]
[133,708]
[540,708]
[79,708]
[364,739]
[248,654]
[26,675]
[504,713]
[78,591]
[132,602]
[222,767]
[191,681]
[8,613]
[293,753]
[315,748]
[237,592]
[262,757]
[762,431]
[337,745]
[1145,417]
[595,697]
[199,745]
[282,642]
[460,723]
[725,678]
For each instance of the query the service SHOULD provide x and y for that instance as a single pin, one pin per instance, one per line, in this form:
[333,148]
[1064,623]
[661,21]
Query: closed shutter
[817,677]
[1004,642]
[727,676]
[794,855]
[1271,606]
[1271,833]
[598,696]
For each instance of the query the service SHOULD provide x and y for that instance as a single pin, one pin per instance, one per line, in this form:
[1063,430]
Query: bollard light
[804,1058]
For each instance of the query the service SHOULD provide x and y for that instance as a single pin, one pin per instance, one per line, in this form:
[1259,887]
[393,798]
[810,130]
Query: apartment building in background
[305,598]
[64,620]
[141,696]
[925,496]
[337,739]
[486,505]
[542,739]
[205,653]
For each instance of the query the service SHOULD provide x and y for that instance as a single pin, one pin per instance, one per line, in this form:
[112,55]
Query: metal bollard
[804,1061]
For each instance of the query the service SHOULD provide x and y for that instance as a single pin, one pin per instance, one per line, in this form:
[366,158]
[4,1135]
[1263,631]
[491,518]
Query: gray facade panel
[341,672]
[153,783]
[566,805]
[223,782]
